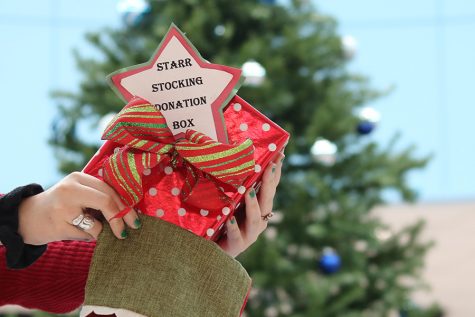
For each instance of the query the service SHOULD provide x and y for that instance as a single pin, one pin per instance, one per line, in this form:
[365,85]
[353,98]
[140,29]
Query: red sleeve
[54,283]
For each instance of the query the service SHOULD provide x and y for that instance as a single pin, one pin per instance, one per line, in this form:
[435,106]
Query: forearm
[18,254]
[55,283]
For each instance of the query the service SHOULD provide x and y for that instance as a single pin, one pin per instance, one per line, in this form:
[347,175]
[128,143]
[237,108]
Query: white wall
[450,265]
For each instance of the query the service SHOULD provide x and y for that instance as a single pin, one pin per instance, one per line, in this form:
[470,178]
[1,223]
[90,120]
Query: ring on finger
[268,216]
[83,222]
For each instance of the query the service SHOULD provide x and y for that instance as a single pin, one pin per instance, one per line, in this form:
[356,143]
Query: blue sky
[425,49]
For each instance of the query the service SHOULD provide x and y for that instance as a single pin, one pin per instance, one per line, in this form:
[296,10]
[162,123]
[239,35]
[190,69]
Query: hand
[240,236]
[48,216]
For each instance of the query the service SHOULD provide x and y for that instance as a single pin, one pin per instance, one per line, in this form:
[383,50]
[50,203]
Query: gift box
[152,158]
[164,185]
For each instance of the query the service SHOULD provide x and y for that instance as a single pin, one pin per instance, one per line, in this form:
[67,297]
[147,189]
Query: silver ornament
[271,312]
[105,120]
[254,73]
[324,152]
[219,30]
[349,45]
[369,114]
[361,245]
[132,11]
[270,233]
[383,234]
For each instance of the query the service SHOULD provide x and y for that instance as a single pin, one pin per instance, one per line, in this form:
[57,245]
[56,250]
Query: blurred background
[418,55]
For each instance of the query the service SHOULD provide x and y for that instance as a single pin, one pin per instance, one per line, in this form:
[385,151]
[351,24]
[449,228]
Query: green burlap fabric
[162,270]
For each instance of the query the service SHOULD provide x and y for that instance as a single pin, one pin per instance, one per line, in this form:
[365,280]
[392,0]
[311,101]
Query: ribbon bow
[146,141]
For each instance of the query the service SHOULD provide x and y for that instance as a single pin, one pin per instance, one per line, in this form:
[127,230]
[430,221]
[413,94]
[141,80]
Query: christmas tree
[323,254]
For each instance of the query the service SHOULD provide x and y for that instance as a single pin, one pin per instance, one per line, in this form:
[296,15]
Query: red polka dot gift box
[194,182]
[185,148]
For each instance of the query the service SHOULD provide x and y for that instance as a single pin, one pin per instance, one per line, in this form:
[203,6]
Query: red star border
[220,83]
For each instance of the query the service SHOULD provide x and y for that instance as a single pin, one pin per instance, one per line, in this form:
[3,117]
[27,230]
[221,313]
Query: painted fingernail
[252,193]
[124,234]
[233,220]
[137,223]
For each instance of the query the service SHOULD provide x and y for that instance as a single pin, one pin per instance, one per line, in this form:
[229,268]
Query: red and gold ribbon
[146,141]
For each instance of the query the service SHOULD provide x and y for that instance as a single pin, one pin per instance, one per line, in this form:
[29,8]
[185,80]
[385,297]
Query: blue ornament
[368,119]
[330,261]
[365,127]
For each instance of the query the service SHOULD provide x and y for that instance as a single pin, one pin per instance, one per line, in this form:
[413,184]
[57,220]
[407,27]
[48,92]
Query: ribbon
[146,141]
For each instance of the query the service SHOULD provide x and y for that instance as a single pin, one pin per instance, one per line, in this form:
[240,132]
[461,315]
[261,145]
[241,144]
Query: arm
[19,254]
[54,283]
[30,217]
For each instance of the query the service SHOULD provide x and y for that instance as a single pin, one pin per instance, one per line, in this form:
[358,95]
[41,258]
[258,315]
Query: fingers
[270,180]
[254,224]
[268,188]
[238,239]
[70,232]
[76,233]
[88,197]
[234,242]
[278,171]
[131,218]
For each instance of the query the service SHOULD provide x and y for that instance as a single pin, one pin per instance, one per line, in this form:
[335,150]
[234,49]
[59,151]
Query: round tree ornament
[324,152]
[368,120]
[133,11]
[105,120]
[349,46]
[254,73]
[365,127]
[219,30]
[330,261]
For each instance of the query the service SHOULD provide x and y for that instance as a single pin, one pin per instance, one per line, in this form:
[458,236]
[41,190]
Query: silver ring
[83,222]
[268,216]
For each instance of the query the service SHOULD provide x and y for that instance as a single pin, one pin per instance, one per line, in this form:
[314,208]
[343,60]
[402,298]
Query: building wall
[450,264]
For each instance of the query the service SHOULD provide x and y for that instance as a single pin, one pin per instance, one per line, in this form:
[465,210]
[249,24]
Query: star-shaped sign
[189,91]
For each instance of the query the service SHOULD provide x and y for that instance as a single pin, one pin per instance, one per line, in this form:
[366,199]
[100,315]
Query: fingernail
[282,158]
[137,223]
[252,193]
[233,220]
[124,234]
[273,168]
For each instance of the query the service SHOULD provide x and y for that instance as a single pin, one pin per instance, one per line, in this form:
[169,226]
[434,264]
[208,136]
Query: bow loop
[230,164]
[139,125]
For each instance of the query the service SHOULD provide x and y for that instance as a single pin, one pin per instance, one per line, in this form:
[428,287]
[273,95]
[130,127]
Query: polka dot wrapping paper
[162,184]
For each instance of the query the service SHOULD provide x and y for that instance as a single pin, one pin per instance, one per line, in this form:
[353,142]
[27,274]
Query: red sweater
[54,283]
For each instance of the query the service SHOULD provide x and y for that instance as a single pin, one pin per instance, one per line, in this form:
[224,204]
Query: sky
[424,49]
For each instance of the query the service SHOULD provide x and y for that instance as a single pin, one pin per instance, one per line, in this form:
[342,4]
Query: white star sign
[189,91]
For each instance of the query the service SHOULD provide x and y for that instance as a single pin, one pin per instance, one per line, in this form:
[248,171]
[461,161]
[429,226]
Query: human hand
[49,216]
[239,237]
